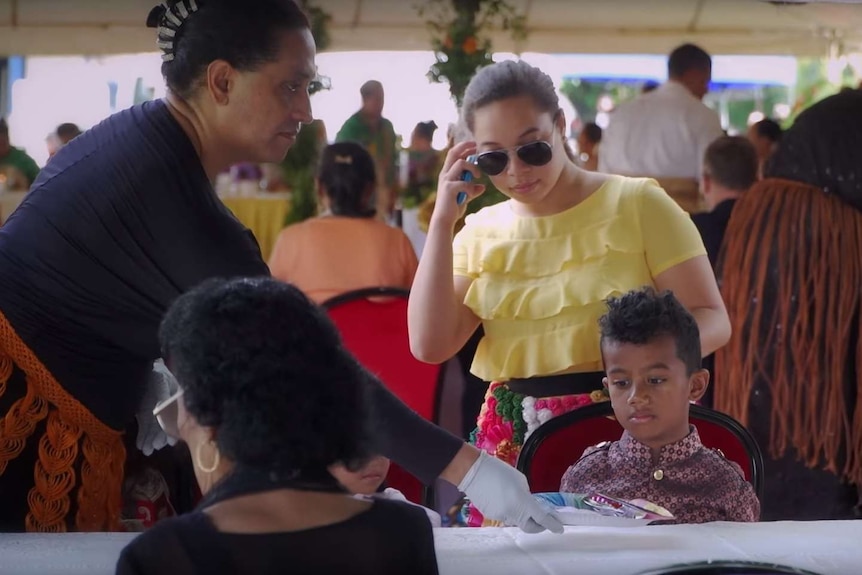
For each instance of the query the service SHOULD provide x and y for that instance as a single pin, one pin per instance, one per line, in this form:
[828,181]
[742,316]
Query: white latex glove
[161,384]
[500,492]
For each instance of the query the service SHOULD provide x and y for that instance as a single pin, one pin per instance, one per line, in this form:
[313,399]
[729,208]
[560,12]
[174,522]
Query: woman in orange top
[345,248]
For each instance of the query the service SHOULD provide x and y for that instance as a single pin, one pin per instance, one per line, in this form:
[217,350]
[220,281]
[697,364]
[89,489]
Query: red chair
[553,447]
[373,325]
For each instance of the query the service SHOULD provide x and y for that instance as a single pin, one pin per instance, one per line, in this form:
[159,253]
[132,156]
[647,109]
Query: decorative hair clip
[348,160]
[169,20]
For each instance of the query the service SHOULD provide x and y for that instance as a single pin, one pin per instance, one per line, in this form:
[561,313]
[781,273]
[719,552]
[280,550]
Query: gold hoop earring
[216,459]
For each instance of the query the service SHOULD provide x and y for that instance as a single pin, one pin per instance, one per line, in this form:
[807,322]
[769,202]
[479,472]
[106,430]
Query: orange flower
[447,42]
[469,45]
[508,452]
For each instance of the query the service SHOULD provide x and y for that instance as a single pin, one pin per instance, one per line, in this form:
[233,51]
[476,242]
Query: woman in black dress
[120,223]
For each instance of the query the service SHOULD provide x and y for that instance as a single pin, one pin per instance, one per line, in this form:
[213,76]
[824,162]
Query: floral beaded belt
[553,385]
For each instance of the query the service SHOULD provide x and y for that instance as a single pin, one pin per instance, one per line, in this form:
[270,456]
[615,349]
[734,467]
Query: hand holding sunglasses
[466,176]
[457,183]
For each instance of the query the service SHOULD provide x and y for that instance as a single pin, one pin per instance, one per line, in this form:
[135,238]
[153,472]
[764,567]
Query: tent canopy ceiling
[555,26]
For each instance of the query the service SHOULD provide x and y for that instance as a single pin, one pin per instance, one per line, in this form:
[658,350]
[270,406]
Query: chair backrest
[373,326]
[554,446]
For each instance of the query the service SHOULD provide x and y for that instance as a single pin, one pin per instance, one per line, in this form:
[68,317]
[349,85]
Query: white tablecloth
[825,547]
[410,227]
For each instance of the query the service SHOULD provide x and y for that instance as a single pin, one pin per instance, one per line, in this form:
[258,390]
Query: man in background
[19,168]
[729,170]
[375,133]
[766,136]
[64,134]
[588,146]
[664,133]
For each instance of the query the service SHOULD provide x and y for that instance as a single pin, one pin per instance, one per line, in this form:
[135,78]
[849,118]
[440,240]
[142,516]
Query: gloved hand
[161,384]
[500,492]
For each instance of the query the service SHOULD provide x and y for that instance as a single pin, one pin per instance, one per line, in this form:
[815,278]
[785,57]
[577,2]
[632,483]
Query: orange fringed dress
[71,434]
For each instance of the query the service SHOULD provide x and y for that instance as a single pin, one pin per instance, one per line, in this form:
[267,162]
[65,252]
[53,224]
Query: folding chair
[373,325]
[557,444]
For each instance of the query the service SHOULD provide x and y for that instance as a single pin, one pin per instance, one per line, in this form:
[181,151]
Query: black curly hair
[244,33]
[265,367]
[642,316]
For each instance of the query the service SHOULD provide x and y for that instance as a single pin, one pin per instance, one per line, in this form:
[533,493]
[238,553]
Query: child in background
[652,356]
[367,482]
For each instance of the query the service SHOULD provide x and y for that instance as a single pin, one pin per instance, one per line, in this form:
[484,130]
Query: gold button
[658,474]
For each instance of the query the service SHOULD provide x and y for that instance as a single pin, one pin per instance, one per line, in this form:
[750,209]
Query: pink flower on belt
[494,434]
[491,402]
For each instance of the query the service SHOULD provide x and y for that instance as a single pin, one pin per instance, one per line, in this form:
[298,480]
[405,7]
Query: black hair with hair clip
[169,18]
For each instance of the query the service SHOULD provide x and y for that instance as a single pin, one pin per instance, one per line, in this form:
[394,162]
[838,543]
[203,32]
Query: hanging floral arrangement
[300,164]
[319,20]
[459,37]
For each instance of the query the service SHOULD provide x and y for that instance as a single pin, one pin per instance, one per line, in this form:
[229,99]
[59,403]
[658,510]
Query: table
[263,214]
[825,547]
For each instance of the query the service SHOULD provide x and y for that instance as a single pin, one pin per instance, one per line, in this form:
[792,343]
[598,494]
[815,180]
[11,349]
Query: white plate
[585,517]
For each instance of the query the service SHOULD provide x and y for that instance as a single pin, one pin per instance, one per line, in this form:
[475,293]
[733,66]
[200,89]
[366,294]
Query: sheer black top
[389,538]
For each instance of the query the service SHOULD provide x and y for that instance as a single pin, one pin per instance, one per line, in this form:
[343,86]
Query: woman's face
[267,107]
[508,124]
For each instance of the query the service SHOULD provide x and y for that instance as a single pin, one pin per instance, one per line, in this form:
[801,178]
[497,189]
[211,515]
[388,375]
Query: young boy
[651,351]
[366,482]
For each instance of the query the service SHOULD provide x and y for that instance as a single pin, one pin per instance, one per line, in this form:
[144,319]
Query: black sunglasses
[536,154]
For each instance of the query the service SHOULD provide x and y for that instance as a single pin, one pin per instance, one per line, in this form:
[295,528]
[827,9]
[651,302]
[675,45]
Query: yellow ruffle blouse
[540,283]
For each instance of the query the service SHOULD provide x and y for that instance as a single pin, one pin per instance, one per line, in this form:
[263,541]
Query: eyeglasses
[167,414]
[316,84]
[535,154]
[319,83]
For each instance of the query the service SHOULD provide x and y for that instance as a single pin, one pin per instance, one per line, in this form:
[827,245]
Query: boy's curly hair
[641,316]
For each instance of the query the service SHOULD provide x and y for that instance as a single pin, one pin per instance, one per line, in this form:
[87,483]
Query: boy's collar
[671,453]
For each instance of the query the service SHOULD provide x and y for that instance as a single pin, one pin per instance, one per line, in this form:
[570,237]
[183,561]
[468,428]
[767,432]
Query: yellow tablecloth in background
[9,201]
[263,215]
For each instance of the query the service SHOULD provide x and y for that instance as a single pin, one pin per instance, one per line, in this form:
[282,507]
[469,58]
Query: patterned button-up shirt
[693,482]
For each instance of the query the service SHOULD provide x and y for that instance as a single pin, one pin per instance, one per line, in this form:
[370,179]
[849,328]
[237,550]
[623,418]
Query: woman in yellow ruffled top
[536,270]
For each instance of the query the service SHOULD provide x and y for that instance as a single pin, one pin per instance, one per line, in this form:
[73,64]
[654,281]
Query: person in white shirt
[664,133]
